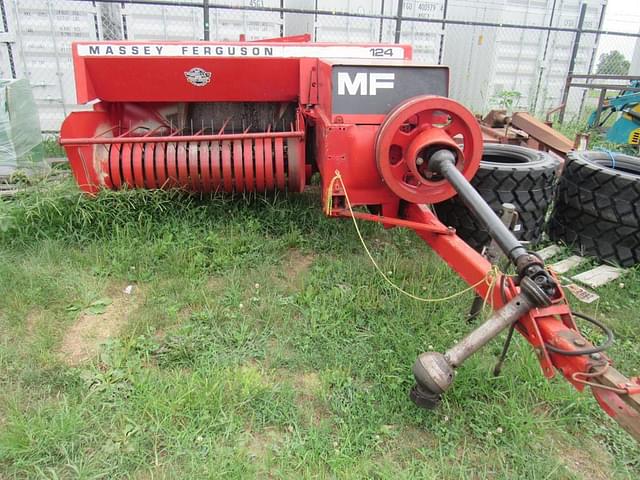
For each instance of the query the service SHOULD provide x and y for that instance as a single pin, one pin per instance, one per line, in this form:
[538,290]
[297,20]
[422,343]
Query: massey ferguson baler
[380,130]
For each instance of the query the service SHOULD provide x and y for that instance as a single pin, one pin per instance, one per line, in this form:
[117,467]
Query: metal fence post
[205,19]
[399,21]
[593,56]
[444,26]
[381,21]
[572,62]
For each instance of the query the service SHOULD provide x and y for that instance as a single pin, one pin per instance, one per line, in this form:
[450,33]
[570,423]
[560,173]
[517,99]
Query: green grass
[259,342]
[52,147]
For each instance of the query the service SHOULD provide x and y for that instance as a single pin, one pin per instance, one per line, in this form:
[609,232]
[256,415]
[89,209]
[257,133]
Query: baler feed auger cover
[263,116]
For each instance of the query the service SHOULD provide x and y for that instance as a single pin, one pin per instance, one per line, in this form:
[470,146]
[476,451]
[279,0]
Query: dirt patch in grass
[32,321]
[294,269]
[308,386]
[589,461]
[261,443]
[402,442]
[83,339]
[216,285]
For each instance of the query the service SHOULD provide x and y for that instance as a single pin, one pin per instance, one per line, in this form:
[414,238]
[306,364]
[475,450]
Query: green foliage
[613,63]
[507,99]
[52,147]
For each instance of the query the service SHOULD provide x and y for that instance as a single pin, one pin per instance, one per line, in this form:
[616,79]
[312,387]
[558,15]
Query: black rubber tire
[508,174]
[591,184]
[592,235]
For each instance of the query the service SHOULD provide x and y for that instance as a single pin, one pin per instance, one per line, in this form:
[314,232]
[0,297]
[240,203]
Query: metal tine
[101,134]
[177,132]
[126,134]
[150,132]
[224,125]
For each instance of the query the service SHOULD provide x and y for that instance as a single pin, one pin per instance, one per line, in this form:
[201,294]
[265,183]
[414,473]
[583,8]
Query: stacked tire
[521,176]
[598,206]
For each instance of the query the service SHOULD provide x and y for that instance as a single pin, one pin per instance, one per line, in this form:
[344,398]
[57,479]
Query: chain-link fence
[515,54]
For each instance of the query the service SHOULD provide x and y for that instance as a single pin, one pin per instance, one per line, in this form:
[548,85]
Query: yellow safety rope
[490,278]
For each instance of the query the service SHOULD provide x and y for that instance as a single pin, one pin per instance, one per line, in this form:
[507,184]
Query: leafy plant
[508,99]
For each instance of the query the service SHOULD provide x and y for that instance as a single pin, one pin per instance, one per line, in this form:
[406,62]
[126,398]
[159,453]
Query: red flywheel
[413,130]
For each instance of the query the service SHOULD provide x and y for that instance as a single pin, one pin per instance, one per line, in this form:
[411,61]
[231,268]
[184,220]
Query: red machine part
[414,128]
[130,139]
[251,164]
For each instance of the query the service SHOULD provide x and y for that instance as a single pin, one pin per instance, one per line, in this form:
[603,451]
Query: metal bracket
[494,254]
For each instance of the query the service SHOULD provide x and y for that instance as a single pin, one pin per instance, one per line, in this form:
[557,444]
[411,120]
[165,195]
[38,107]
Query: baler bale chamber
[244,117]
[241,117]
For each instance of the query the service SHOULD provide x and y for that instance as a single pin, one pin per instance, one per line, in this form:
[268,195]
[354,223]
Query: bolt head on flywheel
[413,131]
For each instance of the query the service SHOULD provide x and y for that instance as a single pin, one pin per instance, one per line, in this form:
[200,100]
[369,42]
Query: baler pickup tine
[151,132]
[102,134]
[224,126]
[176,132]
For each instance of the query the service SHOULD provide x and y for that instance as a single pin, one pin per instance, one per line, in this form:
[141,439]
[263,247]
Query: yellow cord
[490,278]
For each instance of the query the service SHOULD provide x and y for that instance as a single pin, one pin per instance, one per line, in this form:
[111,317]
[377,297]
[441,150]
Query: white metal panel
[425,37]
[155,22]
[43,31]
[486,61]
[469,50]
[228,25]
[336,28]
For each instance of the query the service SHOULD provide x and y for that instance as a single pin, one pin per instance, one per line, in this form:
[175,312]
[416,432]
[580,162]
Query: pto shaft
[443,162]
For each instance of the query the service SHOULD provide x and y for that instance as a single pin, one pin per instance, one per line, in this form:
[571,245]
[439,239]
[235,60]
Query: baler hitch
[434,371]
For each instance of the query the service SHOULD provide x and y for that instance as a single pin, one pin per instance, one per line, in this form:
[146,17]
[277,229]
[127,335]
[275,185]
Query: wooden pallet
[594,278]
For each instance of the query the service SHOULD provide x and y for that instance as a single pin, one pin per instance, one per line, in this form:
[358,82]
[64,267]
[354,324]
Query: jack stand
[493,253]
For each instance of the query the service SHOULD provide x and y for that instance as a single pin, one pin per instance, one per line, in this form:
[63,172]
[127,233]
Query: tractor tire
[507,174]
[591,235]
[591,184]
[597,209]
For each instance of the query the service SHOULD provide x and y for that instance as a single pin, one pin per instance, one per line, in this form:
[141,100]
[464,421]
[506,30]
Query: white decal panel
[246,50]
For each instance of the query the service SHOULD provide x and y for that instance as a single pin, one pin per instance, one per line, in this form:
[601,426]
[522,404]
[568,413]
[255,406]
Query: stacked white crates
[484,61]
[159,22]
[40,33]
[487,61]
[423,36]
[228,25]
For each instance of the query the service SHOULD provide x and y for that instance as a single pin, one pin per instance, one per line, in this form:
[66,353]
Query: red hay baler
[380,130]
